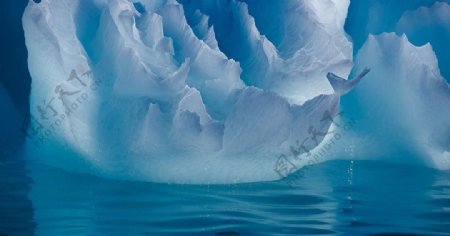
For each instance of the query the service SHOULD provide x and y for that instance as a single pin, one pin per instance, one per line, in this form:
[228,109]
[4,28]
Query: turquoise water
[339,197]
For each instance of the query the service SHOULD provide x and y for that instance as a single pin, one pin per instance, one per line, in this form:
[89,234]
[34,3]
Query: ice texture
[162,91]
[429,25]
[423,21]
[275,51]
[408,100]
[217,91]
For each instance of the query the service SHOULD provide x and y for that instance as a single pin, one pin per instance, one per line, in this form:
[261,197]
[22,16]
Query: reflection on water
[335,197]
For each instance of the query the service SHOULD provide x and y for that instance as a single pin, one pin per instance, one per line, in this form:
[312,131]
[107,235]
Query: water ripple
[48,201]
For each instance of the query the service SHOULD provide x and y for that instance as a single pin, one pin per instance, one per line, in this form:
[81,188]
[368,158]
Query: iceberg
[429,24]
[160,90]
[408,100]
[377,16]
[229,91]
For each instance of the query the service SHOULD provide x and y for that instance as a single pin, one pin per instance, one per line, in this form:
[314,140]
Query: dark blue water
[339,197]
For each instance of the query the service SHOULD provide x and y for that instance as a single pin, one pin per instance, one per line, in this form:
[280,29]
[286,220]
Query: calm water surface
[339,197]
